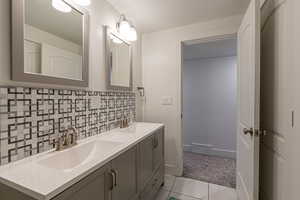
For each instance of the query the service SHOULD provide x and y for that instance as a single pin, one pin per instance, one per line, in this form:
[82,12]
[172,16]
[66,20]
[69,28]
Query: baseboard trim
[172,170]
[208,149]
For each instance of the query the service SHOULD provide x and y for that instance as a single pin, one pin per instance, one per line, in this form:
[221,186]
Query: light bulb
[61,6]
[83,2]
[124,28]
[132,34]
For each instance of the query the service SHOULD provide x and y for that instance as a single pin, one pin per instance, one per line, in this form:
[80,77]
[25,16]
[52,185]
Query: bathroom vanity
[122,164]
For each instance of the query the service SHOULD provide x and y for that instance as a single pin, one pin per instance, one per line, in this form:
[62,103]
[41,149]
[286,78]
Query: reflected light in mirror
[132,35]
[115,39]
[83,2]
[124,28]
[61,6]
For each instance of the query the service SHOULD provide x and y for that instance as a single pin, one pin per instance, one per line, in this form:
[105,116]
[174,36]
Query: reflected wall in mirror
[54,42]
[119,61]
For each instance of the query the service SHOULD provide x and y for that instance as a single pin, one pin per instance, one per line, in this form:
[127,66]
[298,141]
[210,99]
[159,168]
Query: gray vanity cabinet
[151,156]
[145,161]
[136,174]
[116,181]
[151,165]
[125,169]
[96,186]
[158,151]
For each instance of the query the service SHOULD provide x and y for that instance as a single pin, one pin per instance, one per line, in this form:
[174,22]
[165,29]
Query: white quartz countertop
[47,174]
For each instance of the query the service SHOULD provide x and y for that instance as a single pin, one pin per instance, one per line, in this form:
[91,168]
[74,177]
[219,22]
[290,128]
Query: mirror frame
[18,73]
[108,64]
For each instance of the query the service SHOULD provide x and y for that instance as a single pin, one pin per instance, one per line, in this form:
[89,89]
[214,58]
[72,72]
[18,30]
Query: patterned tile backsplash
[32,118]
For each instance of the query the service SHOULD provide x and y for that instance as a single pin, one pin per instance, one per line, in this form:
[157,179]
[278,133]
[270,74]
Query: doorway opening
[209,107]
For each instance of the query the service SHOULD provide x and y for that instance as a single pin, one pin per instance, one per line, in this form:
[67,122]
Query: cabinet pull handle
[115,177]
[156,142]
[153,142]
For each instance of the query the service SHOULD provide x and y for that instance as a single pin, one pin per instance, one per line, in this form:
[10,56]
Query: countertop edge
[40,196]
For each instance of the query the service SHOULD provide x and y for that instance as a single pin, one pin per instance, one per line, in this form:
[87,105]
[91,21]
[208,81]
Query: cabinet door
[145,161]
[158,149]
[125,169]
[94,187]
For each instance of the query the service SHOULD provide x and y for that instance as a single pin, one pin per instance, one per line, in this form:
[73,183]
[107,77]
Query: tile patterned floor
[179,188]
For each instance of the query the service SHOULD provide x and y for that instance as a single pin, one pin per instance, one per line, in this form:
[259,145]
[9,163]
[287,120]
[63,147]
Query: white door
[32,57]
[61,63]
[248,102]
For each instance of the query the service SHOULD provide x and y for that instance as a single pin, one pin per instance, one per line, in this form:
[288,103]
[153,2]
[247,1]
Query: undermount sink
[78,155]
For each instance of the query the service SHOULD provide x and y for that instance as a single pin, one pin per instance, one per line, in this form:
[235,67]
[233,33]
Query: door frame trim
[211,38]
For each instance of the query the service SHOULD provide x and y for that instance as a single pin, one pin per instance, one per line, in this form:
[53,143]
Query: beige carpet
[211,169]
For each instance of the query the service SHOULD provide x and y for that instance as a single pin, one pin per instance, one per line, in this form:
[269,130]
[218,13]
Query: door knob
[260,132]
[248,131]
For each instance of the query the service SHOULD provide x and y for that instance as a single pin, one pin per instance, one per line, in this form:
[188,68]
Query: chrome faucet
[67,139]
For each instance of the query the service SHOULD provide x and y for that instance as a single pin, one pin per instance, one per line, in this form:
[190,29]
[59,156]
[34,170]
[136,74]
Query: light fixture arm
[121,18]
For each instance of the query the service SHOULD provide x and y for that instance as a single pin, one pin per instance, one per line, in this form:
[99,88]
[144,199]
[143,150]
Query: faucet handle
[55,143]
[63,139]
[121,123]
[74,137]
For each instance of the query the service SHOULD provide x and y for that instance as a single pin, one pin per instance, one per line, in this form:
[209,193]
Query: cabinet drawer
[93,187]
[145,161]
[153,186]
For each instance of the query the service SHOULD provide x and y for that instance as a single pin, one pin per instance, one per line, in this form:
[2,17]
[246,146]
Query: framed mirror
[50,42]
[118,61]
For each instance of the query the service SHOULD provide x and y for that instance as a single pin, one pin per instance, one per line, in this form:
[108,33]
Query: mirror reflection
[120,62]
[53,39]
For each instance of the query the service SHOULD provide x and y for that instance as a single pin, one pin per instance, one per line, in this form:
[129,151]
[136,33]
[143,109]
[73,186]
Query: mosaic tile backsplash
[32,118]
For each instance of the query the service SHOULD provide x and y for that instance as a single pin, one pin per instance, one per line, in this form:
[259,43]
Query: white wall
[101,13]
[37,39]
[161,61]
[209,106]
[40,36]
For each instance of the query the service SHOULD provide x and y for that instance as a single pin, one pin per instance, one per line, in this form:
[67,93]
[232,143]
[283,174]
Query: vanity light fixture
[132,34]
[61,6]
[123,26]
[82,2]
[126,29]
